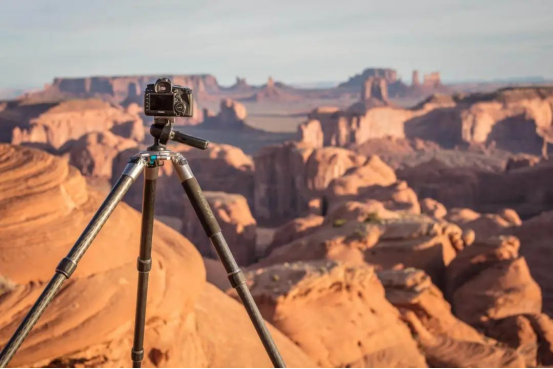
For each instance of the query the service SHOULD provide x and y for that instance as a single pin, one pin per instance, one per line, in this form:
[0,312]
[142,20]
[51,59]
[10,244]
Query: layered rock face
[272,91]
[336,313]
[52,125]
[491,288]
[287,177]
[294,229]
[45,199]
[496,281]
[126,87]
[484,225]
[93,153]
[360,124]
[232,116]
[389,75]
[514,119]
[45,205]
[535,236]
[236,222]
[369,233]
[219,168]
[525,190]
[445,340]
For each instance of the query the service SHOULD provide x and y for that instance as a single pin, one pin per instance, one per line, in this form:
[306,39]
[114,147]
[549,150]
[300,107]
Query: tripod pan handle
[196,142]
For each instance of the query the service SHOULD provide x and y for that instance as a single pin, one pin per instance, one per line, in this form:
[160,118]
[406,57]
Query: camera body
[163,99]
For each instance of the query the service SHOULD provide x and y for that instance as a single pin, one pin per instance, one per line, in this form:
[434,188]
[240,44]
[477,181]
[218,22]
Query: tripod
[149,161]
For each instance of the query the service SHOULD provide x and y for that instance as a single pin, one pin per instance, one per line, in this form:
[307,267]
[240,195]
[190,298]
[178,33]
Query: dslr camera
[163,99]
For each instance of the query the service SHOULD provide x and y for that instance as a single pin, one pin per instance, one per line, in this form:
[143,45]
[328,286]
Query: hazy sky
[293,41]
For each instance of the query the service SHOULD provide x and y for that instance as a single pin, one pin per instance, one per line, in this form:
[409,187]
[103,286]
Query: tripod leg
[144,263]
[235,275]
[67,265]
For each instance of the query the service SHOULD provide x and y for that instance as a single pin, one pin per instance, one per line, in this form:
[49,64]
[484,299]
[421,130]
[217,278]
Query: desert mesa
[380,223]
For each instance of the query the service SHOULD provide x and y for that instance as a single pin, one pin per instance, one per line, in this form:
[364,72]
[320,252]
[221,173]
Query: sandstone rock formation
[56,123]
[336,313]
[491,288]
[369,233]
[236,222]
[241,85]
[373,172]
[513,119]
[525,190]
[274,91]
[535,236]
[226,338]
[294,229]
[326,164]
[232,116]
[453,187]
[46,205]
[497,282]
[288,176]
[521,161]
[121,88]
[446,341]
[219,168]
[433,208]
[311,133]
[133,130]
[389,75]
[93,153]
[484,225]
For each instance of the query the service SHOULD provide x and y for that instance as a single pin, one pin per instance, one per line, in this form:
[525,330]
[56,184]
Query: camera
[163,99]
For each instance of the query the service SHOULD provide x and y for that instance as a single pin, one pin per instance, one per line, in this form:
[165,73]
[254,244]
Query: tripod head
[162,131]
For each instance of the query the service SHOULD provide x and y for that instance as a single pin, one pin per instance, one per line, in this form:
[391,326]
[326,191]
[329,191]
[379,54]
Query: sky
[292,41]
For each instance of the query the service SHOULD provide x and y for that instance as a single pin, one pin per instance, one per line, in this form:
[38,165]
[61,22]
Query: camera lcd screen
[161,102]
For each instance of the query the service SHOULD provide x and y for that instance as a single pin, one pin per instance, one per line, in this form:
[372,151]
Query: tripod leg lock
[137,355]
[66,267]
[236,278]
[143,266]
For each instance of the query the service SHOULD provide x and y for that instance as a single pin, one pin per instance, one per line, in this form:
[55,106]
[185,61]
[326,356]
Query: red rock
[535,236]
[47,205]
[93,153]
[444,351]
[237,224]
[311,133]
[133,130]
[280,181]
[489,281]
[336,313]
[232,116]
[433,208]
[90,322]
[359,233]
[326,164]
[58,123]
[226,337]
[295,229]
[412,290]
[353,183]
[123,88]
[521,161]
[484,225]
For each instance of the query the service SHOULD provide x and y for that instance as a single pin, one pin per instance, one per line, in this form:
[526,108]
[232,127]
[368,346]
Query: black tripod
[150,160]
